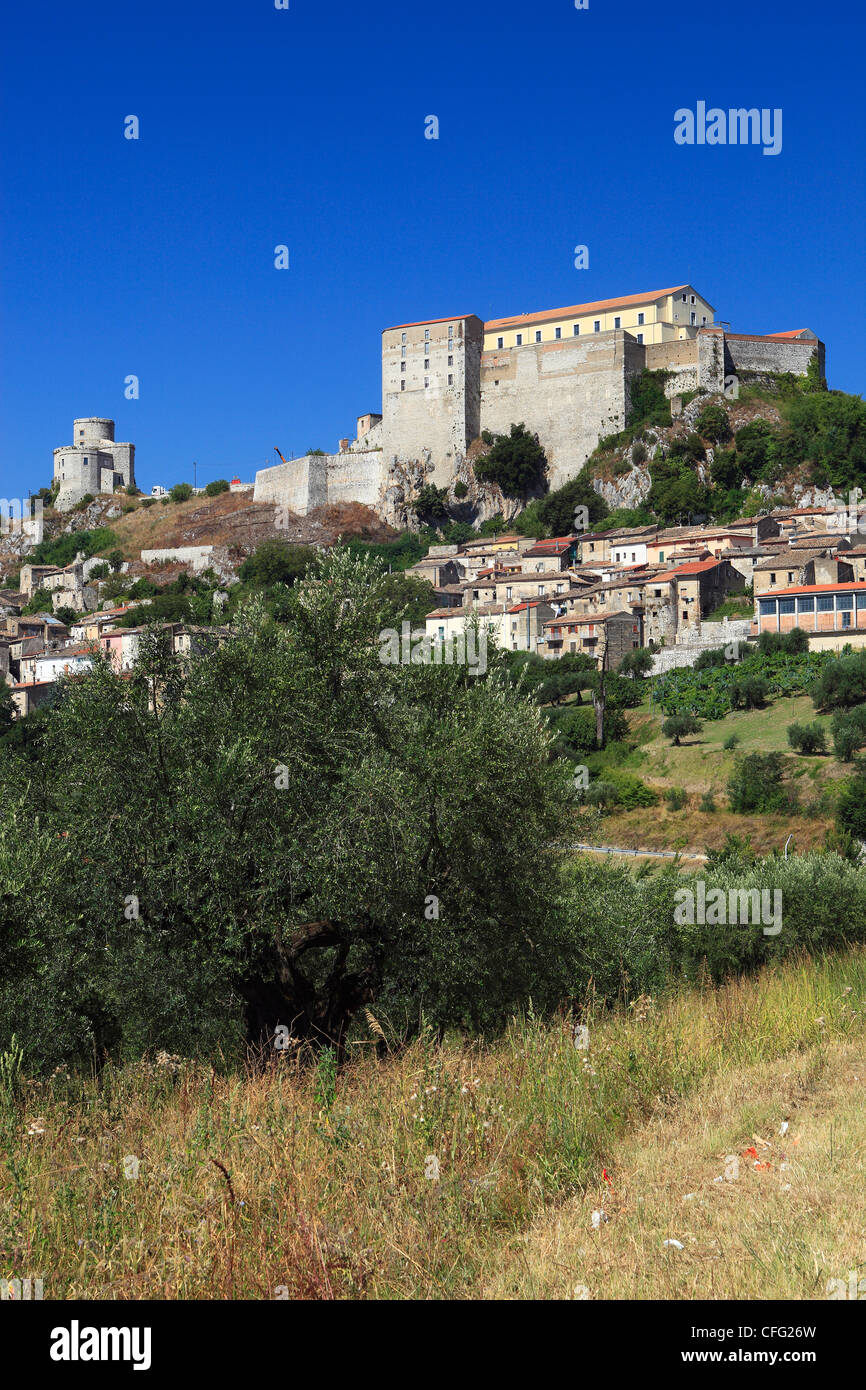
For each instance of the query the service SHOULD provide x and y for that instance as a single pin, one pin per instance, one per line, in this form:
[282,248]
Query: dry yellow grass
[779,1230]
[465,1170]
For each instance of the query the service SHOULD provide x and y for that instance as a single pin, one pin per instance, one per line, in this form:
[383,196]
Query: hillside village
[728,534]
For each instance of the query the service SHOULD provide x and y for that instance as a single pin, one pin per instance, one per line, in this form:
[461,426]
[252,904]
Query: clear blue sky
[306,127]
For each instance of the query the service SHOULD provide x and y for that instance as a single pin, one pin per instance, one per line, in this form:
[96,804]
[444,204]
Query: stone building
[564,373]
[93,463]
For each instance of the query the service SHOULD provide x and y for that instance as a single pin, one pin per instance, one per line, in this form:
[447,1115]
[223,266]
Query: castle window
[640,318]
[426,363]
[685,297]
[693,318]
[450,361]
[450,379]
[538,335]
[402,366]
[617,323]
[426,381]
[402,386]
[402,352]
[596,327]
[500,342]
[519,340]
[557,332]
[576,328]
[703,318]
[403,337]
[640,337]
[426,332]
[693,299]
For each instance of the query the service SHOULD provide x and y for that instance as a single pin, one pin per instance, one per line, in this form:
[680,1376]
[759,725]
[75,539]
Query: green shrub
[516,462]
[756,785]
[217,486]
[460,489]
[708,802]
[631,791]
[148,501]
[749,692]
[842,682]
[603,794]
[678,726]
[849,732]
[675,798]
[731,742]
[713,423]
[807,738]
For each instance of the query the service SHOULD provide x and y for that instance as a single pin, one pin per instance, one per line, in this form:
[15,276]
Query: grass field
[468,1171]
[701,763]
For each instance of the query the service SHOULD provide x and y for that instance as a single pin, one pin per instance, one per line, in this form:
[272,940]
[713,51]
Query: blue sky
[306,128]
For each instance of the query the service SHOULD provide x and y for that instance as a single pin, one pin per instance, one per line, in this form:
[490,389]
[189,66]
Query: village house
[832,614]
[514,627]
[606,637]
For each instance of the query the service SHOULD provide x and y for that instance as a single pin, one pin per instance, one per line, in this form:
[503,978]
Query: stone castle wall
[569,392]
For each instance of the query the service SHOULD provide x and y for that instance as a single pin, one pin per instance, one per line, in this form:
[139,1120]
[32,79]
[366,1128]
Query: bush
[181,492]
[807,738]
[842,682]
[431,502]
[756,785]
[637,663]
[708,802]
[601,794]
[460,489]
[516,462]
[678,726]
[215,488]
[675,798]
[792,643]
[639,453]
[148,502]
[631,791]
[749,692]
[849,732]
[648,403]
[731,742]
[851,807]
[713,423]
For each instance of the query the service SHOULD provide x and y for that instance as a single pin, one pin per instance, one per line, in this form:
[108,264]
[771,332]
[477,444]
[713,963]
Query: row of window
[427,381]
[426,360]
[403,336]
[825,604]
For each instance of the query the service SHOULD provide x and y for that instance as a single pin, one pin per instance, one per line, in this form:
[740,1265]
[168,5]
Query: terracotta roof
[686,571]
[847,586]
[576,310]
[419,323]
[790,333]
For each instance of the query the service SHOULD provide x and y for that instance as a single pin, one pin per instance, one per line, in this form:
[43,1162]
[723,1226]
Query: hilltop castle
[565,373]
[93,463]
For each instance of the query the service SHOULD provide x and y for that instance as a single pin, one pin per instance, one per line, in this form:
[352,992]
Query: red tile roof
[847,586]
[686,571]
[576,310]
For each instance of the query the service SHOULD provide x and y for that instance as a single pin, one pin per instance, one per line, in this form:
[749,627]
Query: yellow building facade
[659,316]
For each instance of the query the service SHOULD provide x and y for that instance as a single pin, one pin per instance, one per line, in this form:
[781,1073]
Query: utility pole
[193,474]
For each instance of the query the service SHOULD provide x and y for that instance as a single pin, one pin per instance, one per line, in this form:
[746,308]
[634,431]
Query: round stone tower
[92,430]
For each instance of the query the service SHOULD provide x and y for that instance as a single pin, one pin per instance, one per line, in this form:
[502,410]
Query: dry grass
[298,1183]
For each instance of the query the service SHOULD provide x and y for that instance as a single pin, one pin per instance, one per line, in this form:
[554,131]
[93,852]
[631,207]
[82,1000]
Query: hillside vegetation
[457,1170]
